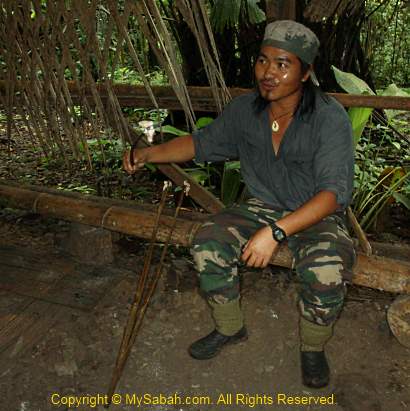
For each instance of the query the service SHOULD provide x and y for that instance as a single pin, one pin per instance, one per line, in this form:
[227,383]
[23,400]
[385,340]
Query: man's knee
[215,255]
[322,268]
[322,289]
[215,248]
[321,303]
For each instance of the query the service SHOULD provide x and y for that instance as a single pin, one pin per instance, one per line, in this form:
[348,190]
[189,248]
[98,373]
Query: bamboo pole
[373,271]
[139,223]
[202,98]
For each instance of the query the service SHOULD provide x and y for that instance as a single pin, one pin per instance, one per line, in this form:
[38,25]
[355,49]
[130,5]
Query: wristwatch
[278,234]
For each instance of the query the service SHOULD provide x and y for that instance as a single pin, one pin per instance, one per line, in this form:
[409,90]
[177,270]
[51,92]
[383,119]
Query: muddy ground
[71,348]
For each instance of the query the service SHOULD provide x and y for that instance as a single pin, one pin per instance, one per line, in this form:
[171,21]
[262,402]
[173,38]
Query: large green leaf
[173,130]
[231,184]
[233,165]
[204,121]
[402,199]
[359,117]
[200,176]
[351,83]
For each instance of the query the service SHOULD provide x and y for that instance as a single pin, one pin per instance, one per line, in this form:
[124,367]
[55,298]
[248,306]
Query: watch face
[278,234]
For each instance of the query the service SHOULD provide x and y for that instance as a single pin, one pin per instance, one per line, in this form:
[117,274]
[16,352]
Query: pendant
[275,126]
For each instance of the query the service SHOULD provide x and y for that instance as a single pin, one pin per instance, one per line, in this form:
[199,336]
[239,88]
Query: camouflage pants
[323,258]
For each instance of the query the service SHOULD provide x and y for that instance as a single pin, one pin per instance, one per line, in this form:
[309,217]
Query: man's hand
[140,158]
[177,150]
[259,249]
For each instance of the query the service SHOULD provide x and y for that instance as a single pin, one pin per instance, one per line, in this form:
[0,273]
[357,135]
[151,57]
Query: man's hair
[308,100]
[310,93]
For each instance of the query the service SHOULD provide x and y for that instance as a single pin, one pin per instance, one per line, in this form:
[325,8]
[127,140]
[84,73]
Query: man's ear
[307,74]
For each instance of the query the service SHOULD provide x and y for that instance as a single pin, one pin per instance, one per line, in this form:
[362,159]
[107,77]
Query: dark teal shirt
[316,152]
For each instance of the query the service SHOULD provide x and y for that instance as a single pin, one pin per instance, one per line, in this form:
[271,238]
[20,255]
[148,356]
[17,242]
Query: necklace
[275,124]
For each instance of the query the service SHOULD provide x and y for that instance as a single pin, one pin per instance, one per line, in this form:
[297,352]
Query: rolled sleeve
[334,158]
[216,142]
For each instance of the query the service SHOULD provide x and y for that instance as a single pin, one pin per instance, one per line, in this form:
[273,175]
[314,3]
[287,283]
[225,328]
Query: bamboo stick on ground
[142,298]
[134,311]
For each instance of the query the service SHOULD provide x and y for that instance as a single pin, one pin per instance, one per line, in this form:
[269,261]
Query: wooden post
[91,245]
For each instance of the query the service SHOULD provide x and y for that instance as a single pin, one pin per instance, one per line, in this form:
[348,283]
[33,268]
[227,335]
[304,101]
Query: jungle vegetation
[194,43]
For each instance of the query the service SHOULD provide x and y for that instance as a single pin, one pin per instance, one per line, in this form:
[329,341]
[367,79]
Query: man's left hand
[258,251]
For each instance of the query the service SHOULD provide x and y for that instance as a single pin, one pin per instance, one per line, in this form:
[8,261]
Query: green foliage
[231,182]
[402,199]
[173,130]
[135,115]
[77,188]
[351,83]
[204,174]
[200,174]
[203,122]
[105,152]
[393,90]
[225,14]
[127,74]
[376,196]
[359,116]
[386,41]
[255,14]
[376,184]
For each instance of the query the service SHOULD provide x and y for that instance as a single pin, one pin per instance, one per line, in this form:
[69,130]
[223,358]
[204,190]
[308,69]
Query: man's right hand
[177,150]
[140,158]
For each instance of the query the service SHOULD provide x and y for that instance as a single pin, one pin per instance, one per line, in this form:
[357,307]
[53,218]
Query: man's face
[278,74]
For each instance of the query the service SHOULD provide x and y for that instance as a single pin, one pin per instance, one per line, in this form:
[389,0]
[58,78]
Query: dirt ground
[64,347]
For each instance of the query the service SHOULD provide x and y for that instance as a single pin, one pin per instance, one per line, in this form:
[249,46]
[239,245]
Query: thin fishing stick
[132,317]
[141,302]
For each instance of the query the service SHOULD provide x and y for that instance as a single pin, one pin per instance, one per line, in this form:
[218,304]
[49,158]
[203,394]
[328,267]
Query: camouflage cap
[292,37]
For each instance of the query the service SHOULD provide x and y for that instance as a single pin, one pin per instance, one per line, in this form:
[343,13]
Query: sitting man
[296,151]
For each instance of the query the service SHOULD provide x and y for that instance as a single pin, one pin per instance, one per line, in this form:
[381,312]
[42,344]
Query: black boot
[209,346]
[315,369]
